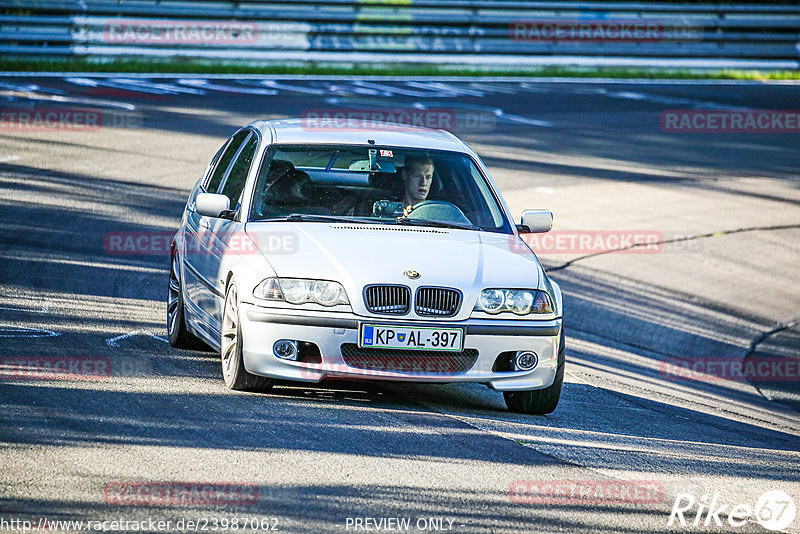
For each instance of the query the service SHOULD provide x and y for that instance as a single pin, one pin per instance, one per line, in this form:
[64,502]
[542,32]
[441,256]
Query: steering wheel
[438,210]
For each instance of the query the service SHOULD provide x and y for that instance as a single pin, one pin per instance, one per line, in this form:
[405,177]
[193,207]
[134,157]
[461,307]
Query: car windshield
[379,185]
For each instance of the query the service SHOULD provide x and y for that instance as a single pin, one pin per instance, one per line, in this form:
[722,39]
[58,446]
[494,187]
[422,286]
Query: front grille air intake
[416,362]
[437,301]
[388,299]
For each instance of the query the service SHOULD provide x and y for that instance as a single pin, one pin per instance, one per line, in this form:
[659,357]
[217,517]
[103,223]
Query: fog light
[525,360]
[285,349]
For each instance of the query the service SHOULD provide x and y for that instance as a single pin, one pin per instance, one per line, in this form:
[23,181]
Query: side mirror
[536,221]
[210,205]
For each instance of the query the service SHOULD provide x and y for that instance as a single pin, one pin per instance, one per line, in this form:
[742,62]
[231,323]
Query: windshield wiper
[303,217]
[438,224]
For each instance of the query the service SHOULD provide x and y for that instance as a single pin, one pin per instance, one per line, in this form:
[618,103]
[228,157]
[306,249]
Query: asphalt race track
[719,283]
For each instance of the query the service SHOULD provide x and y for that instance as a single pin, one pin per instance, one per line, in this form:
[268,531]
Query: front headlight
[517,301]
[300,291]
[328,293]
[296,291]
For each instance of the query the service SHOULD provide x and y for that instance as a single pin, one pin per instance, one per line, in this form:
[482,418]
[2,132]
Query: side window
[486,206]
[238,174]
[225,160]
[213,164]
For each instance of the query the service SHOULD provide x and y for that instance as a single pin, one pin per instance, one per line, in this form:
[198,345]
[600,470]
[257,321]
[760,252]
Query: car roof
[306,131]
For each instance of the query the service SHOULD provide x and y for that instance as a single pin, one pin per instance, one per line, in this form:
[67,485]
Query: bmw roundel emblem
[412,275]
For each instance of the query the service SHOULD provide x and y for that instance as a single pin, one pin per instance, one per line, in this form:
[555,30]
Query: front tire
[179,335]
[540,401]
[233,372]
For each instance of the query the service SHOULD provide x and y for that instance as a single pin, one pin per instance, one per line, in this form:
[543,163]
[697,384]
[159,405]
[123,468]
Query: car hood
[356,255]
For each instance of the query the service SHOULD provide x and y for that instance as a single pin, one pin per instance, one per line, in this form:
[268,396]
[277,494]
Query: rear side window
[225,160]
[238,174]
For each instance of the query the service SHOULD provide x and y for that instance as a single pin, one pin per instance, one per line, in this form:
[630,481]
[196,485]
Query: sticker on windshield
[386,153]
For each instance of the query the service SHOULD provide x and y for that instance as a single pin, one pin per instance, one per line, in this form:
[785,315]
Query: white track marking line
[114,341]
[498,112]
[208,86]
[455,90]
[400,91]
[664,100]
[384,78]
[25,332]
[136,85]
[167,88]
[36,96]
[28,88]
[45,309]
[285,87]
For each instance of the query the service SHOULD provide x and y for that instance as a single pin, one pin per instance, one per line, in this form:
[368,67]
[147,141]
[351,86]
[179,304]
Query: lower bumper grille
[409,361]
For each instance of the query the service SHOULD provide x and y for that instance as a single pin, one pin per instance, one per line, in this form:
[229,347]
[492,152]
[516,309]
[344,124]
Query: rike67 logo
[774,510]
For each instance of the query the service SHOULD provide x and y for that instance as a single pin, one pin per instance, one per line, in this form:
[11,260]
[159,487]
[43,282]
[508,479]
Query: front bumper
[262,327]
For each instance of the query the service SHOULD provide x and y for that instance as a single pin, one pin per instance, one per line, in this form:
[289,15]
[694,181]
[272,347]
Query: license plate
[411,337]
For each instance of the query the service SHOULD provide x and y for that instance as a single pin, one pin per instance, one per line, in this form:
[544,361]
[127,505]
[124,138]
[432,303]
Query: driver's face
[418,180]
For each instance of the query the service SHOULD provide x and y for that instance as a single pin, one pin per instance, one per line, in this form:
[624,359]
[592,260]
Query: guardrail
[478,32]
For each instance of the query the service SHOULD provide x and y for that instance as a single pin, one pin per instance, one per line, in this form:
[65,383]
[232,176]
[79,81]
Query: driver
[417,177]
